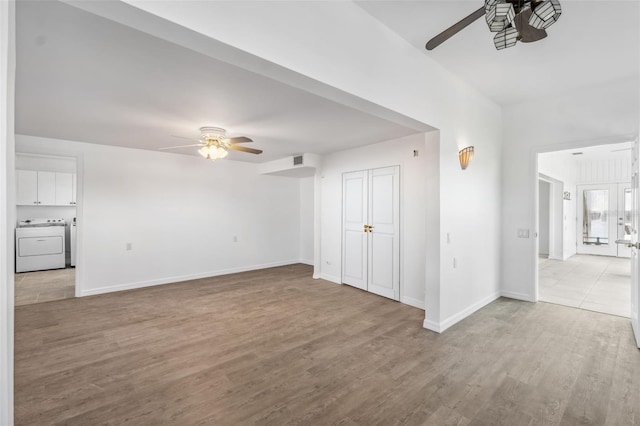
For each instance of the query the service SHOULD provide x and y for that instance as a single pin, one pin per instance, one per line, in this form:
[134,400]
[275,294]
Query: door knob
[629,244]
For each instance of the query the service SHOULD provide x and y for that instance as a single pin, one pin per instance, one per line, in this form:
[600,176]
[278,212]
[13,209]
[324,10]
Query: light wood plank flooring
[276,347]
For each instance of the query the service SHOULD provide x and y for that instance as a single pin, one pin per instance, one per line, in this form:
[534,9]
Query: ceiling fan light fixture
[545,14]
[506,38]
[213,152]
[499,15]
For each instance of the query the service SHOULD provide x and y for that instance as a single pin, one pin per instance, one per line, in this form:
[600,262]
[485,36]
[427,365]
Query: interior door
[625,218]
[383,241]
[635,294]
[354,235]
[597,219]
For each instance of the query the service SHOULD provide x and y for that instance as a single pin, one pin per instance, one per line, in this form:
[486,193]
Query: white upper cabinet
[27,190]
[45,188]
[65,194]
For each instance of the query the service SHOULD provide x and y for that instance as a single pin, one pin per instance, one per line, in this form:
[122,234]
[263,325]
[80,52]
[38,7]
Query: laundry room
[45,228]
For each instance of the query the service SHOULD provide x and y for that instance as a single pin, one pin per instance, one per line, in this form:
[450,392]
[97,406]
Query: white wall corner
[516,295]
[457,317]
[432,325]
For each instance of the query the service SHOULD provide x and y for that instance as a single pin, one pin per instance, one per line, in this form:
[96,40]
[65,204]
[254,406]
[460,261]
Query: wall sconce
[465,156]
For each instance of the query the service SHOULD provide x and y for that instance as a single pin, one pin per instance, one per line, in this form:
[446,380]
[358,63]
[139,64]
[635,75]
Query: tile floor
[595,283]
[45,286]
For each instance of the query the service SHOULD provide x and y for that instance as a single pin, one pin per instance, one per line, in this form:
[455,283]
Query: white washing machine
[40,245]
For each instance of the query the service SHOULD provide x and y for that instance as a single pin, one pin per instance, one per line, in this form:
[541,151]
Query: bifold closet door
[354,239]
[383,244]
[371,230]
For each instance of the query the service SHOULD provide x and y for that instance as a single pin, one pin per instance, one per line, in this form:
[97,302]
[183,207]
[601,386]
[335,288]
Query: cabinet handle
[35,202]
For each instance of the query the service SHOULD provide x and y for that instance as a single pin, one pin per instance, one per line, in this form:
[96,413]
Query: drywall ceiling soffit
[594,42]
[87,78]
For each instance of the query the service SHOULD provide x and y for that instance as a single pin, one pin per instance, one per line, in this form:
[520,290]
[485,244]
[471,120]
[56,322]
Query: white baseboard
[457,317]
[411,301]
[431,325]
[331,278]
[515,295]
[306,262]
[179,278]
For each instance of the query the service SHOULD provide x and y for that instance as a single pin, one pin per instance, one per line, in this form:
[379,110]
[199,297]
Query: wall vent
[297,160]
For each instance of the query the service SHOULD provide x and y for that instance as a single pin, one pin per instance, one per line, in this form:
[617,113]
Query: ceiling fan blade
[527,33]
[179,146]
[454,29]
[245,149]
[184,137]
[240,139]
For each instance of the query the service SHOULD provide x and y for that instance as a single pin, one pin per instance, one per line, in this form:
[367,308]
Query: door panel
[354,239]
[384,247]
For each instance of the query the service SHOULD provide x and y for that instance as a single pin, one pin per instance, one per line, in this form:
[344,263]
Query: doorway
[594,272]
[45,246]
[371,230]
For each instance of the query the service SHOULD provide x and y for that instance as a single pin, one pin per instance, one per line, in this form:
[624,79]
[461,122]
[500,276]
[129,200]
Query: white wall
[7,212]
[179,213]
[544,193]
[604,170]
[307,208]
[413,211]
[592,116]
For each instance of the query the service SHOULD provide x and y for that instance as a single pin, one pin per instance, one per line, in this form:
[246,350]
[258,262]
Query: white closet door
[384,247]
[354,238]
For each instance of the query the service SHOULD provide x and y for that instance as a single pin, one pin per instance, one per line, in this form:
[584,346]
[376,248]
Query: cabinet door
[64,189]
[46,188]
[74,188]
[27,187]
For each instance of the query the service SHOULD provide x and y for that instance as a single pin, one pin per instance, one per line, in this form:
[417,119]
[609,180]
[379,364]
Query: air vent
[297,160]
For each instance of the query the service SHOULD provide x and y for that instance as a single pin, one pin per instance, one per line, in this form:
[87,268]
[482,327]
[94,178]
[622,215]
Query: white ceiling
[593,42]
[84,78]
[601,152]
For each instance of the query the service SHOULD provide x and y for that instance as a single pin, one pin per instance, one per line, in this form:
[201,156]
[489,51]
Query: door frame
[400,226]
[556,211]
[533,284]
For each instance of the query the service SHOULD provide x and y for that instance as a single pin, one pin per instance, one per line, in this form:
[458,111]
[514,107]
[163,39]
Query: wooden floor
[276,347]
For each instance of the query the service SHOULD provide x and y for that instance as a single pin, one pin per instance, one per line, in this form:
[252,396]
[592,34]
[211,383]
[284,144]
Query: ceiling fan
[213,144]
[512,20]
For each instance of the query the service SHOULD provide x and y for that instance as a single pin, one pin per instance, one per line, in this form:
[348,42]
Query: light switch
[523,233]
